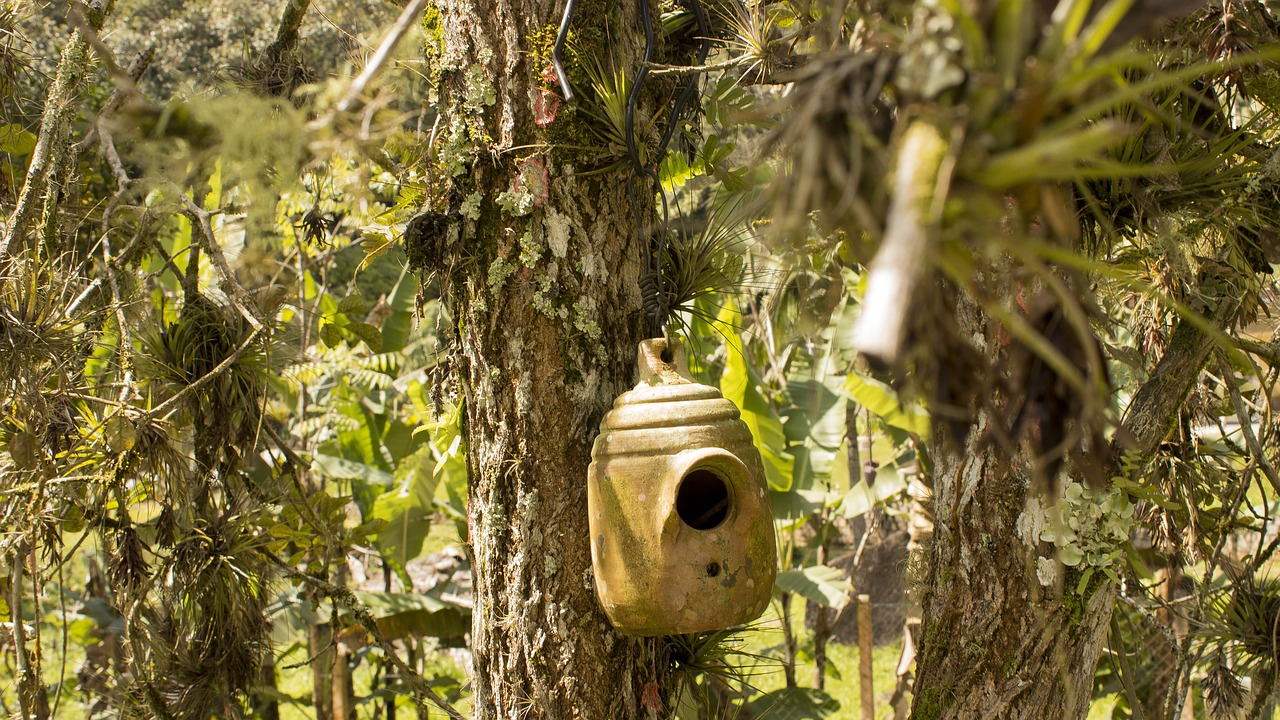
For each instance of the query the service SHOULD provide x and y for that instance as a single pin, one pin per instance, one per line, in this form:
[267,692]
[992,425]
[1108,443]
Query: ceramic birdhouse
[681,530]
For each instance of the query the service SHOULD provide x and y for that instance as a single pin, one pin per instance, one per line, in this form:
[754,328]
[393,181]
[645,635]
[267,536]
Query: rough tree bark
[996,644]
[538,265]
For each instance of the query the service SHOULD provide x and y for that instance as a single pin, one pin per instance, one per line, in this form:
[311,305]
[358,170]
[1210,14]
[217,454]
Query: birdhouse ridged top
[682,536]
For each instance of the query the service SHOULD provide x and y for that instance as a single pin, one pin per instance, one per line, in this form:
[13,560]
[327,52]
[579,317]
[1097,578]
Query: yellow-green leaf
[23,450]
[739,386]
[330,335]
[883,401]
[371,335]
[15,140]
[120,434]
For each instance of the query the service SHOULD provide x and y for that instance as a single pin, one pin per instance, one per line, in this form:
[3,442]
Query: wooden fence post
[864,655]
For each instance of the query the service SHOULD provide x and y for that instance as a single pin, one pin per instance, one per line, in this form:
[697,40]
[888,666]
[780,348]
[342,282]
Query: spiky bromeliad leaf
[211,616]
[1247,620]
[1224,694]
[704,264]
[606,108]
[205,335]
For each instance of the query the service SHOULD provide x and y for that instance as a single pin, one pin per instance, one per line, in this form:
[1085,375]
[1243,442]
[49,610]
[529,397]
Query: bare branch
[122,326]
[136,69]
[1154,407]
[202,219]
[657,69]
[287,33]
[1246,426]
[54,126]
[389,43]
[298,464]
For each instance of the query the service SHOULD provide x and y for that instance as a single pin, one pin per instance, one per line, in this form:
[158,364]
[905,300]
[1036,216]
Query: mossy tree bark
[996,642]
[538,265]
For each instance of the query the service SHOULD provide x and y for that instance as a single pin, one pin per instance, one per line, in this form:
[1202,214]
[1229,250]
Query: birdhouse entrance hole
[702,500]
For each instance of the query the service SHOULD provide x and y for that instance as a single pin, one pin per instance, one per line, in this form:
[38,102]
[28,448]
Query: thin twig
[1246,427]
[97,282]
[298,464]
[108,145]
[136,69]
[122,326]
[364,616]
[656,69]
[389,43]
[21,670]
[235,291]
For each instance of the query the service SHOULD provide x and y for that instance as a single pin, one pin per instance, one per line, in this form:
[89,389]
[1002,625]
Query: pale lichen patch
[470,208]
[1046,571]
[524,393]
[587,392]
[1031,522]
[558,229]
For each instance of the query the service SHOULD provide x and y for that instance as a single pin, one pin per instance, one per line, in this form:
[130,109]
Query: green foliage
[741,387]
[214,368]
[819,584]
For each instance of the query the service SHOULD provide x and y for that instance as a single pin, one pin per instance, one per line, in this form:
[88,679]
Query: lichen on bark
[541,281]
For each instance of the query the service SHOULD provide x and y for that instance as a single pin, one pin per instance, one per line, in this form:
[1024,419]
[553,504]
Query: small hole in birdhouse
[702,501]
[666,354]
[713,569]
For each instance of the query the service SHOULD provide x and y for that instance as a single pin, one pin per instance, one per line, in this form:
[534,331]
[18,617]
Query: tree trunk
[538,266]
[996,643]
[320,650]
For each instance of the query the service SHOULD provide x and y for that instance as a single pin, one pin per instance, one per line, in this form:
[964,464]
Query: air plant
[703,264]
[1224,693]
[606,109]
[215,589]
[713,671]
[210,354]
[1246,625]
[753,37]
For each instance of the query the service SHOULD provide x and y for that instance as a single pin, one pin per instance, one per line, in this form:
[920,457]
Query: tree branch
[51,141]
[1154,407]
[21,668]
[135,72]
[1246,426]
[299,463]
[919,181]
[287,33]
[202,219]
[389,43]
[657,69]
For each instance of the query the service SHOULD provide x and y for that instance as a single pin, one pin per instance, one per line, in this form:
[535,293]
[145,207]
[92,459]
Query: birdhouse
[681,530]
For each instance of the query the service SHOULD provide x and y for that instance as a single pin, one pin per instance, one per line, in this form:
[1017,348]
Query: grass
[842,679]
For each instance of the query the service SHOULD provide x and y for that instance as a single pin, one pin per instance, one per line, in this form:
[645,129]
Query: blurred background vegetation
[231,470]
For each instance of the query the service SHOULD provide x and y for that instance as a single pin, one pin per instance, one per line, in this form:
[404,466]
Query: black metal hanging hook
[557,50]
[652,282]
